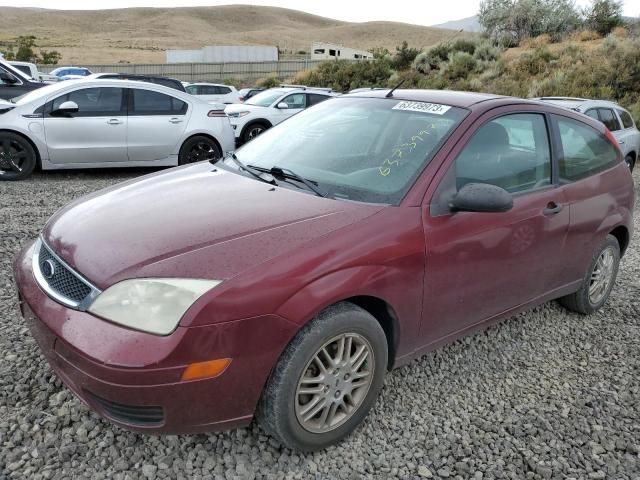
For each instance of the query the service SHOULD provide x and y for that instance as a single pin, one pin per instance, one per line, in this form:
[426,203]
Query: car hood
[242,107]
[199,221]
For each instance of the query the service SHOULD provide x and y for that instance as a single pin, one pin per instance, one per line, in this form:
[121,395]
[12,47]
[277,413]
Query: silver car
[615,118]
[108,123]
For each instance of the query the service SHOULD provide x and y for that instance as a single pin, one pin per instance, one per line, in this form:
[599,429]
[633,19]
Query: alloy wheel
[254,132]
[13,156]
[202,151]
[334,383]
[602,276]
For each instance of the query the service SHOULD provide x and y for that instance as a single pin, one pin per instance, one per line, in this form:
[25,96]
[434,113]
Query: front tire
[598,283]
[198,149]
[17,157]
[252,131]
[327,379]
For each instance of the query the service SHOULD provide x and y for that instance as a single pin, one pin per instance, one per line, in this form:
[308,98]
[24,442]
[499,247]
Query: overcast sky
[429,12]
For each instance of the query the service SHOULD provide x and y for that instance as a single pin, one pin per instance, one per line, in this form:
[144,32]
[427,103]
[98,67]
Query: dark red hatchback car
[284,282]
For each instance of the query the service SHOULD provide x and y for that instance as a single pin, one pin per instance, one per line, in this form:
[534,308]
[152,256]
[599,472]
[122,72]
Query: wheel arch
[622,235]
[31,142]
[263,121]
[200,134]
[329,290]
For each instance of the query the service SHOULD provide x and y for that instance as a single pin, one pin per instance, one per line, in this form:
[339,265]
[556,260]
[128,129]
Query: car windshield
[265,99]
[360,149]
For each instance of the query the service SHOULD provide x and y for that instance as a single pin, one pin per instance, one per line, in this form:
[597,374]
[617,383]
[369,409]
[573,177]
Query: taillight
[612,139]
[216,113]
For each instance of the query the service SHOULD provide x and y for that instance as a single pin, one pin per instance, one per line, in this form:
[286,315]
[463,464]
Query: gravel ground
[545,395]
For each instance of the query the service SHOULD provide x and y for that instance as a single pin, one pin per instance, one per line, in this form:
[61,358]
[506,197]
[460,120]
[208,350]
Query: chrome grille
[59,280]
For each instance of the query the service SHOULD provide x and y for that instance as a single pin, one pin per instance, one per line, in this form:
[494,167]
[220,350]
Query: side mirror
[481,197]
[66,109]
[8,77]
[283,105]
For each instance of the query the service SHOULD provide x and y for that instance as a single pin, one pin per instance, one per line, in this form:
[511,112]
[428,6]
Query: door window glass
[511,152]
[627,121]
[314,99]
[94,102]
[208,90]
[297,100]
[593,113]
[148,102]
[609,119]
[584,150]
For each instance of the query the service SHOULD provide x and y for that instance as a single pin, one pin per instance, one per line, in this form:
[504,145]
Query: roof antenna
[390,94]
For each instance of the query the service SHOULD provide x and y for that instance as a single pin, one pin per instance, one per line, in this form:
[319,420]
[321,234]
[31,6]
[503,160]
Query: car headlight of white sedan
[153,305]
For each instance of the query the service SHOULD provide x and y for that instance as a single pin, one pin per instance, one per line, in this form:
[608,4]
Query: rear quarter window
[627,121]
[585,151]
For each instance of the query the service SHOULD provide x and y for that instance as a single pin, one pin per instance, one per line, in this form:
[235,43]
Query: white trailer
[329,51]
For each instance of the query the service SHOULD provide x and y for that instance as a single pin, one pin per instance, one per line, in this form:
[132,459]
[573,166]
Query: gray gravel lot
[545,395]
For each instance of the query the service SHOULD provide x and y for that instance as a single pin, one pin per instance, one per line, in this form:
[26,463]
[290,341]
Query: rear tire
[599,280]
[630,161]
[198,149]
[17,157]
[344,390]
[252,130]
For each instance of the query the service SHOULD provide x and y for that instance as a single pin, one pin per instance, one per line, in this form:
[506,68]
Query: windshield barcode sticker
[434,108]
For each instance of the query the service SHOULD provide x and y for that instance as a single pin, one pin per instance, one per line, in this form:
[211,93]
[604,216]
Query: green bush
[343,76]
[459,66]
[268,82]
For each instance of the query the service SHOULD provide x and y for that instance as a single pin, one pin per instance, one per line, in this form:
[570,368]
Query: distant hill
[141,35]
[469,24]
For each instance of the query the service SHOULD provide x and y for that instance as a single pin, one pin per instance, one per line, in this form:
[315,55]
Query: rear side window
[147,102]
[224,90]
[627,121]
[609,119]
[511,152]
[585,151]
[24,69]
[314,99]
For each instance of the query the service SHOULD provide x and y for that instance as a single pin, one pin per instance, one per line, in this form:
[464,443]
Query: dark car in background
[14,83]
[246,93]
[158,80]
[284,281]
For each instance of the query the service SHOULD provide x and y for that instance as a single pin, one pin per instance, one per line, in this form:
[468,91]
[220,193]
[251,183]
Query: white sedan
[214,92]
[108,123]
[271,107]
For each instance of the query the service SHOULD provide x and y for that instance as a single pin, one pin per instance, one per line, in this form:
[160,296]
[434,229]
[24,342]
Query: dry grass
[140,35]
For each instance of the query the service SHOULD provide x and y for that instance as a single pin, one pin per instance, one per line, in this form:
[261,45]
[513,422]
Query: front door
[480,265]
[97,133]
[296,102]
[156,124]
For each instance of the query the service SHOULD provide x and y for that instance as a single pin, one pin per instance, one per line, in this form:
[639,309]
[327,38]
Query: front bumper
[134,379]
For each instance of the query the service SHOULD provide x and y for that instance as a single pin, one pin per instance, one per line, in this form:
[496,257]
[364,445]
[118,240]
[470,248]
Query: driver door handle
[175,120]
[552,208]
[114,121]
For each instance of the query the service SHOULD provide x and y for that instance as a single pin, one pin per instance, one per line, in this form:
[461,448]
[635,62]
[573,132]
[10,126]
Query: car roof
[90,83]
[574,103]
[444,97]
[213,84]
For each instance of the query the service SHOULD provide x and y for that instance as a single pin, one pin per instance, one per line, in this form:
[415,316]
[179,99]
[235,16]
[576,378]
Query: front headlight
[153,305]
[238,114]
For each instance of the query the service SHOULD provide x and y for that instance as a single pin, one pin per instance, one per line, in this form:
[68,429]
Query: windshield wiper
[289,174]
[247,168]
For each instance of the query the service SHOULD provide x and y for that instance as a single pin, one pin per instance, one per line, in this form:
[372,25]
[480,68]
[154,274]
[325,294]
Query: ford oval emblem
[48,269]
